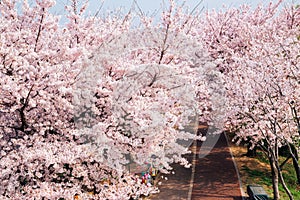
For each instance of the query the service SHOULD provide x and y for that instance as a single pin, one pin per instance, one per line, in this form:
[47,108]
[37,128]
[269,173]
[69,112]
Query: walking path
[215,177]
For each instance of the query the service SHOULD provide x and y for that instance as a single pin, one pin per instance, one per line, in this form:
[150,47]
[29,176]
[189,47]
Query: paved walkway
[215,177]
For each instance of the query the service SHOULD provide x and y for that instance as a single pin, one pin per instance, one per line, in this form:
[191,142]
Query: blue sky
[150,6]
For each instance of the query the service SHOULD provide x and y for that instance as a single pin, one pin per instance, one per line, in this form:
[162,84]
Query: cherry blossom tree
[79,101]
[40,158]
[257,52]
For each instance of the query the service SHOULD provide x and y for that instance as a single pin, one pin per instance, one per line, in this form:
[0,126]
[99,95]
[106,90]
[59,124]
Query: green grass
[260,178]
[290,178]
[262,157]
[263,178]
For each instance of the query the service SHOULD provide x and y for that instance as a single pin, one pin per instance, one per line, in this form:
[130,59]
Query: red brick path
[215,178]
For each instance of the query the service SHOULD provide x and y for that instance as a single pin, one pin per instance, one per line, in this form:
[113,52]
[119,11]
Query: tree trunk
[285,186]
[295,157]
[294,150]
[275,177]
[282,180]
[297,168]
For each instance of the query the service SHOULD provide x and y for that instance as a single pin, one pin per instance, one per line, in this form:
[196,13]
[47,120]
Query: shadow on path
[215,177]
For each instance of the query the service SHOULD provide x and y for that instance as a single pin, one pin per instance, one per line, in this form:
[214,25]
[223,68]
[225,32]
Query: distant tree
[258,53]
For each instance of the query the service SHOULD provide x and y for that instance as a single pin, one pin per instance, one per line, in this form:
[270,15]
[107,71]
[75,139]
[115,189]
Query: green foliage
[258,176]
[262,157]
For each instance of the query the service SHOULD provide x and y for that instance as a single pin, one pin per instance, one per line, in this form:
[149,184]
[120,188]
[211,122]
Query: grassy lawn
[257,171]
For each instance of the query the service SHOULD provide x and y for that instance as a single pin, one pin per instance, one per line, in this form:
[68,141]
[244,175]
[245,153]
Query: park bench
[256,192]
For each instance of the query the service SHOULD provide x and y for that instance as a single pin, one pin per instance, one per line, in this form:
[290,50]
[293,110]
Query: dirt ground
[243,162]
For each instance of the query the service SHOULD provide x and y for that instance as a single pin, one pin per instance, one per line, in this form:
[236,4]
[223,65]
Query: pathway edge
[236,169]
